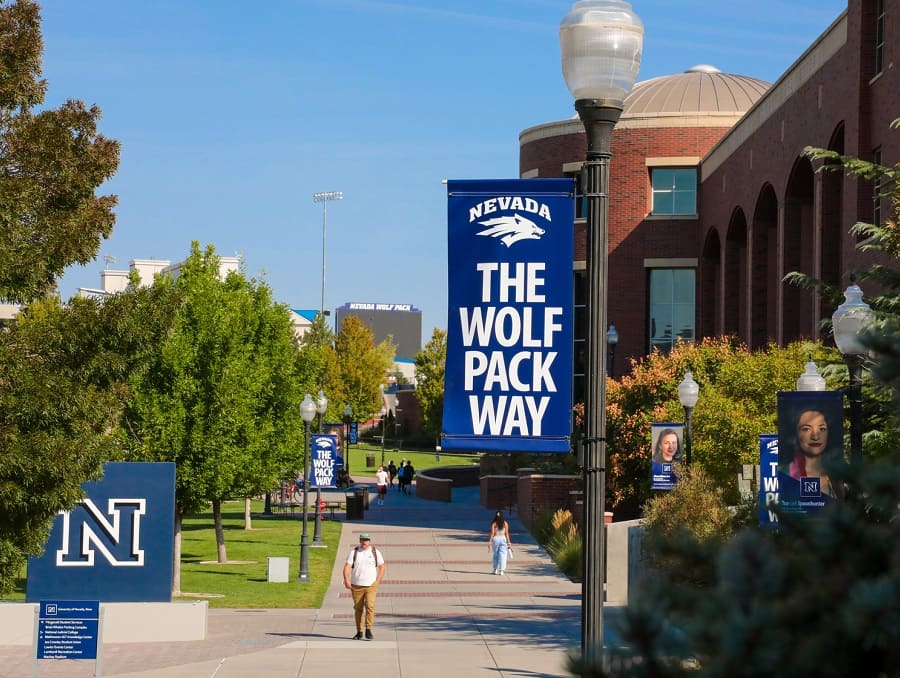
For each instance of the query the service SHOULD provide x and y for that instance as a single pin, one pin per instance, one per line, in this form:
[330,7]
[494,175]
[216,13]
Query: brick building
[712,201]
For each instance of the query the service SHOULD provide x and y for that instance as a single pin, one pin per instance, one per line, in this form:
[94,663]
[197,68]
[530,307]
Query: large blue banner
[508,380]
[117,545]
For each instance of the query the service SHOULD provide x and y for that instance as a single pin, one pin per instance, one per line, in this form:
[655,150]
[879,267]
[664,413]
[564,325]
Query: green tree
[63,386]
[430,366]
[51,164]
[220,397]
[358,368]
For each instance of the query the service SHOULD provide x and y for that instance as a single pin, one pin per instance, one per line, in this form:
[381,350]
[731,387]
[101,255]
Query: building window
[671,307]
[879,36]
[580,335]
[674,190]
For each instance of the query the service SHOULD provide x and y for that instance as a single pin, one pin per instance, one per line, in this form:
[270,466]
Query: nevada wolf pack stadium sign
[117,545]
[508,380]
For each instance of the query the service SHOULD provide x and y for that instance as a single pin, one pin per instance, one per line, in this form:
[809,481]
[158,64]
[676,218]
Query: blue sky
[232,115]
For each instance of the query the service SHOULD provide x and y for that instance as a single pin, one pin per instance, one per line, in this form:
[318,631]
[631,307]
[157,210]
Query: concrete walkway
[441,612]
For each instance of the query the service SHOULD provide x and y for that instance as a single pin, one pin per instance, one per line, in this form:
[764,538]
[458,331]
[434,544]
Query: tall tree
[430,367]
[221,395]
[64,371]
[61,375]
[51,164]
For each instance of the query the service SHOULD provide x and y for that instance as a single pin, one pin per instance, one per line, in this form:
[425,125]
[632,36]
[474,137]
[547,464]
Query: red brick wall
[541,493]
[498,491]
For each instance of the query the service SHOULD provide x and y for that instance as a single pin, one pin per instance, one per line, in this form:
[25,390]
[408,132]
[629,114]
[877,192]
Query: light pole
[307,412]
[688,392]
[612,338]
[325,197]
[348,417]
[383,429]
[848,321]
[601,42]
[321,406]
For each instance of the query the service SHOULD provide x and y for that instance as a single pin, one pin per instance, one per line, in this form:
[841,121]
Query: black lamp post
[321,407]
[612,338]
[348,417]
[601,43]
[688,392]
[848,321]
[307,412]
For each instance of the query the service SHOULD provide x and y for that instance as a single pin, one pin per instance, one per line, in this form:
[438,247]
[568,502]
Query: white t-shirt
[381,477]
[365,572]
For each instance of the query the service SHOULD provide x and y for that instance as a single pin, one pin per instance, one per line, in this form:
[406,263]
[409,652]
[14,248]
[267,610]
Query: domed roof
[701,89]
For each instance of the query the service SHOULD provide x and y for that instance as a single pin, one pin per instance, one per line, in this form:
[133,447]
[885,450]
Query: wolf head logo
[511,229]
[323,443]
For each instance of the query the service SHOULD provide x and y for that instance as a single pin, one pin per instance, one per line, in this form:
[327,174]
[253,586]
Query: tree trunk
[176,555]
[248,521]
[220,532]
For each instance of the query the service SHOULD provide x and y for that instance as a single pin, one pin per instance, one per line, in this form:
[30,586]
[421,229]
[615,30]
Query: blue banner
[508,380]
[768,478]
[325,461]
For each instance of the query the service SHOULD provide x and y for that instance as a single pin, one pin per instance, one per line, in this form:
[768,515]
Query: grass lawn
[421,459]
[242,583]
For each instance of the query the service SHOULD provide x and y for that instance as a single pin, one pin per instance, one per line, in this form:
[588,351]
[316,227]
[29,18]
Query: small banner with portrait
[508,380]
[665,441]
[810,443]
[324,461]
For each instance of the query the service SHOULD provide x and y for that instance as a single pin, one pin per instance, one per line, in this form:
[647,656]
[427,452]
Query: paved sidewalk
[441,612]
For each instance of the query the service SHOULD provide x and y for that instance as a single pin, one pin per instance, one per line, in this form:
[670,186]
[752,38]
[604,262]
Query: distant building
[403,322]
[112,281]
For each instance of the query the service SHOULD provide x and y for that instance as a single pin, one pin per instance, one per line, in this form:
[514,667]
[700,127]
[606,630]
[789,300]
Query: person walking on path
[392,471]
[381,484]
[499,543]
[363,571]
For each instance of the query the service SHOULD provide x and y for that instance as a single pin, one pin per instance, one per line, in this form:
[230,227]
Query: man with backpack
[363,571]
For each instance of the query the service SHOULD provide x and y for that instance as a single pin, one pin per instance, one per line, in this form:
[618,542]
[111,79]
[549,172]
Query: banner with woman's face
[810,444]
[665,443]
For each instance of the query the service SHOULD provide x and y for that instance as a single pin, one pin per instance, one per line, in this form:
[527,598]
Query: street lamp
[600,43]
[307,412]
[325,197]
[848,321]
[321,406]
[810,380]
[688,392]
[348,417]
[612,338]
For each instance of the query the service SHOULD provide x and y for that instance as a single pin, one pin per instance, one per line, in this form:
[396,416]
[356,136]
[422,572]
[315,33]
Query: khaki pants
[364,601]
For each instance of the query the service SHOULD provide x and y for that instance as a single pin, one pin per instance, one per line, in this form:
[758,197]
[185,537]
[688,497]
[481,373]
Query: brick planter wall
[540,493]
[498,492]
[436,484]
